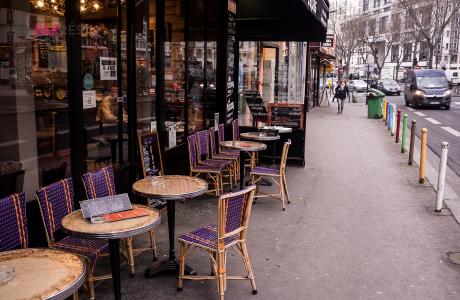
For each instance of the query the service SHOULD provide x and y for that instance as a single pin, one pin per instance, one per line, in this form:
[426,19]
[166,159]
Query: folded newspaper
[94,208]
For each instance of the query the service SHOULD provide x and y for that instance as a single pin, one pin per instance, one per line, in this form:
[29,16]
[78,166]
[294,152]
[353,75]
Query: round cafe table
[170,188]
[280,129]
[244,146]
[42,274]
[75,225]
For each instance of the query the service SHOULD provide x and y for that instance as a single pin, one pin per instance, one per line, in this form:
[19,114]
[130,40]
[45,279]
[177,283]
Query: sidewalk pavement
[356,228]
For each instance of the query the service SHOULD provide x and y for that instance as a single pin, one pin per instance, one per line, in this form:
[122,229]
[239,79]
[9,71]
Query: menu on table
[105,205]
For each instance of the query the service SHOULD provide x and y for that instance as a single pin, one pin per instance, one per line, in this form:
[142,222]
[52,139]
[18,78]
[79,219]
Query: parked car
[427,87]
[372,83]
[357,85]
[389,87]
[452,76]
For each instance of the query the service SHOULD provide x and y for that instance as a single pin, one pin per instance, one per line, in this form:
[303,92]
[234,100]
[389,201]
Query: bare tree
[378,40]
[347,39]
[430,18]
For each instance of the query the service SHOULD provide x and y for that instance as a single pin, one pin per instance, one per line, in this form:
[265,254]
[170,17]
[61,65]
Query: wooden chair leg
[153,244]
[282,193]
[221,274]
[180,280]
[129,251]
[247,264]
[75,296]
[90,280]
[286,189]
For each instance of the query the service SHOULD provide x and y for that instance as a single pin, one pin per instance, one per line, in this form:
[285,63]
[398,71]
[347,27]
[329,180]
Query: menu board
[149,148]
[105,205]
[256,105]
[286,114]
[42,54]
[230,84]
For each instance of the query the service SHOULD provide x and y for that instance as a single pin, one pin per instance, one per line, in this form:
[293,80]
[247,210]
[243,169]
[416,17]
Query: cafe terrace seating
[204,157]
[221,138]
[233,157]
[231,230]
[101,183]
[13,223]
[278,175]
[212,172]
[56,201]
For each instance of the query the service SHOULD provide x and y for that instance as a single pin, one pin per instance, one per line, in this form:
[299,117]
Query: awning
[287,20]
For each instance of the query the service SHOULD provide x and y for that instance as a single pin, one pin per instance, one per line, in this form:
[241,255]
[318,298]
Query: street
[442,125]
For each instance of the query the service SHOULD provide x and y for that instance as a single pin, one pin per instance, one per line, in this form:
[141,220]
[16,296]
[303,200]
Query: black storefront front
[80,80]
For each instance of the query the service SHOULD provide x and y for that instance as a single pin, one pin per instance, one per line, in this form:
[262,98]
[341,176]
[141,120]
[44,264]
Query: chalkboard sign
[149,149]
[256,105]
[230,72]
[286,114]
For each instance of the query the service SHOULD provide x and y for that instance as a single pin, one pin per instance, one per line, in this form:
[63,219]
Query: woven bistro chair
[278,175]
[230,232]
[13,223]
[235,130]
[234,158]
[221,138]
[204,155]
[101,183]
[213,173]
[56,201]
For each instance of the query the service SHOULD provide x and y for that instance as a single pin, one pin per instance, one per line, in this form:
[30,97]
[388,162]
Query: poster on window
[89,99]
[108,68]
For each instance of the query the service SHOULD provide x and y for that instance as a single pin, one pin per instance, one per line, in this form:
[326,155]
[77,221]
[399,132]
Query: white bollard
[441,176]
[393,120]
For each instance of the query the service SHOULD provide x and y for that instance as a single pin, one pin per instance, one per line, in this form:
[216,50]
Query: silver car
[357,85]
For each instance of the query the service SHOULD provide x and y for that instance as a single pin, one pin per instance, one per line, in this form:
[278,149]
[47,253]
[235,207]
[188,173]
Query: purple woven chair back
[234,212]
[212,141]
[202,140]
[100,183]
[191,141]
[56,201]
[236,130]
[13,225]
[221,133]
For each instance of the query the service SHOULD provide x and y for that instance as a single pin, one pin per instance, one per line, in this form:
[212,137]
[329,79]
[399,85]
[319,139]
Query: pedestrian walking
[341,92]
[335,93]
[348,91]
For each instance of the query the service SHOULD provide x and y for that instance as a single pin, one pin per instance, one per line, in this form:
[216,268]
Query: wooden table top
[42,274]
[76,225]
[170,187]
[248,146]
[257,136]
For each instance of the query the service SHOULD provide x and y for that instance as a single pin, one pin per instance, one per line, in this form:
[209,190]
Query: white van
[452,76]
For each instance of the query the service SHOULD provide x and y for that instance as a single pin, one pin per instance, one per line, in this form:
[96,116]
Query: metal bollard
[398,125]
[412,141]
[423,155]
[404,134]
[441,176]
[393,120]
[389,116]
[384,110]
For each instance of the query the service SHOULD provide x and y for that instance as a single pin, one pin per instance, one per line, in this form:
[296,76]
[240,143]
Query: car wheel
[406,101]
[447,107]
[399,93]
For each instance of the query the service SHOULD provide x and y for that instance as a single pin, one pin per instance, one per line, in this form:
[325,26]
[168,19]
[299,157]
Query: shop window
[34,126]
[174,74]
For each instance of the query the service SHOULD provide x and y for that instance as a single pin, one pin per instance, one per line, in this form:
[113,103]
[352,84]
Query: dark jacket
[341,93]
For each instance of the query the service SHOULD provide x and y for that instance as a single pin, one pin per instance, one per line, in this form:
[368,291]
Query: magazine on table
[110,208]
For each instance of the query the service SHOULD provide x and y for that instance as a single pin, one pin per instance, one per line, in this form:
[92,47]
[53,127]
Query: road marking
[419,114]
[433,121]
[410,109]
[451,131]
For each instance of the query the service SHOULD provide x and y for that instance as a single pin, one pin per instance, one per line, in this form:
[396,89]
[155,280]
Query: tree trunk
[430,57]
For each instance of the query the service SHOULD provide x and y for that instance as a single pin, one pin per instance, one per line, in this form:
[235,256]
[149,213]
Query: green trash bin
[374,104]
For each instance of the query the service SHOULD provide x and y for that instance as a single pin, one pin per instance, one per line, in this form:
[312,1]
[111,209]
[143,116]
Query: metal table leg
[114,248]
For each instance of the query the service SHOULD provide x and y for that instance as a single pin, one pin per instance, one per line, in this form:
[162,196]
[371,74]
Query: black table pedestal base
[114,248]
[167,266]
